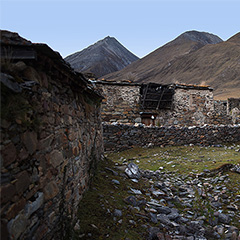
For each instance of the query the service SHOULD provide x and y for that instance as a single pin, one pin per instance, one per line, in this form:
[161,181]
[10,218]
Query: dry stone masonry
[191,106]
[180,105]
[51,140]
[121,137]
[121,101]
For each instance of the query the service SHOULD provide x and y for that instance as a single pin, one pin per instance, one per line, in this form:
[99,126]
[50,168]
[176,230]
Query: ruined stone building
[51,139]
[165,105]
[160,105]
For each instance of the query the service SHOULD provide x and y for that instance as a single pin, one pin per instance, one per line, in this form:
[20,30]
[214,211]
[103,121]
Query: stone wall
[233,109]
[51,140]
[190,107]
[220,107]
[121,103]
[233,103]
[120,137]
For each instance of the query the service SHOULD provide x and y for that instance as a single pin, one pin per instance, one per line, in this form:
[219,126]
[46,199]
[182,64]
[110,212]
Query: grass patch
[96,209]
[184,159]
[97,220]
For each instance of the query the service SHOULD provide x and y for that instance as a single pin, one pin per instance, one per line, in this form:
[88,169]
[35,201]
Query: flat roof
[172,85]
[124,83]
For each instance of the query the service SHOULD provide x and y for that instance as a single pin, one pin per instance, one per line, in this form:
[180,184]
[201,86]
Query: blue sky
[142,26]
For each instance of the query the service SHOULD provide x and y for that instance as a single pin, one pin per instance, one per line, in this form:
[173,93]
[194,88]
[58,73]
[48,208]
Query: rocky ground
[126,202]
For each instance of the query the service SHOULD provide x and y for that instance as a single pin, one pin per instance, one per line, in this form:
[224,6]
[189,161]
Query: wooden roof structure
[156,96]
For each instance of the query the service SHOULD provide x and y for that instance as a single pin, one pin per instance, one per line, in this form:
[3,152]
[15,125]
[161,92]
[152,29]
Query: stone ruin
[165,105]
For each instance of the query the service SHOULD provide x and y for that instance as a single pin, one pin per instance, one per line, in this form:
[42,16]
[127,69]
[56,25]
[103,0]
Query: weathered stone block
[41,231]
[46,142]
[55,158]
[31,73]
[9,154]
[30,141]
[31,207]
[23,154]
[15,208]
[71,134]
[17,226]
[51,190]
[7,192]
[23,182]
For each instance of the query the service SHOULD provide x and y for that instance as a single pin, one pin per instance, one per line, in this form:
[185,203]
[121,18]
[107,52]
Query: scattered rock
[132,171]
[112,171]
[208,208]
[222,218]
[131,200]
[236,168]
[135,191]
[164,210]
[117,213]
[77,226]
[115,181]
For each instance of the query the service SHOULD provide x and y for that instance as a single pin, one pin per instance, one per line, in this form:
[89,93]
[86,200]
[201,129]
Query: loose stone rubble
[175,206]
[202,199]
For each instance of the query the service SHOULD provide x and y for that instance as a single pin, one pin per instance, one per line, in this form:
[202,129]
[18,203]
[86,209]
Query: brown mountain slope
[142,69]
[191,62]
[215,65]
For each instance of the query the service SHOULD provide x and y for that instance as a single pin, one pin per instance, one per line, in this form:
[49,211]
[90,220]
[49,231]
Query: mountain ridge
[191,58]
[105,56]
[161,55]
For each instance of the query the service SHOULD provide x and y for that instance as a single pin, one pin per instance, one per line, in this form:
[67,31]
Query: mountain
[192,58]
[147,68]
[103,57]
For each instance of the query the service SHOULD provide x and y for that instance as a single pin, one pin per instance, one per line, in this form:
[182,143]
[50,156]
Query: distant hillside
[216,65]
[103,57]
[192,58]
[147,68]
